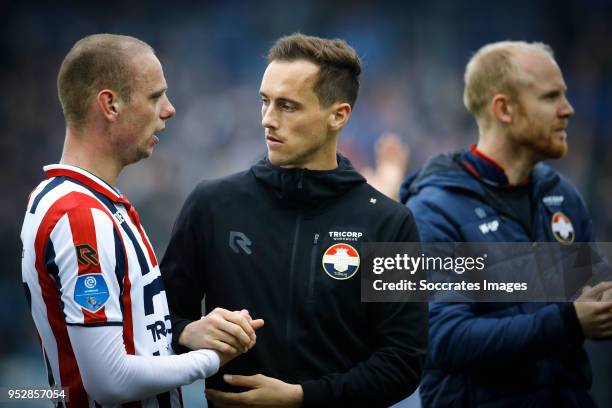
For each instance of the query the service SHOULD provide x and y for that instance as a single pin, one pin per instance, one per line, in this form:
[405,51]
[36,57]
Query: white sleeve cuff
[111,376]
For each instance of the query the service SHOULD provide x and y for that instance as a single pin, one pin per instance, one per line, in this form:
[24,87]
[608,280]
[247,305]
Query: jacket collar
[84,177]
[486,169]
[303,185]
[448,171]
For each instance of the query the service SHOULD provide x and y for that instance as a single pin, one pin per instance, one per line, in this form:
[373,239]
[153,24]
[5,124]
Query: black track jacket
[255,240]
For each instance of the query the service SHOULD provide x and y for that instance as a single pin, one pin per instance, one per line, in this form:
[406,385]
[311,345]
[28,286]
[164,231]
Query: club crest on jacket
[341,261]
[562,228]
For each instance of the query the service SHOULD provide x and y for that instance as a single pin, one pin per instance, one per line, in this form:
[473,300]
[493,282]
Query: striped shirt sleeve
[83,257]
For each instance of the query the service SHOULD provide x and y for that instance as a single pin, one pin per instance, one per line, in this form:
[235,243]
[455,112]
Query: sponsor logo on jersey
[341,261]
[345,235]
[562,228]
[91,292]
[487,227]
[159,328]
[86,255]
[119,217]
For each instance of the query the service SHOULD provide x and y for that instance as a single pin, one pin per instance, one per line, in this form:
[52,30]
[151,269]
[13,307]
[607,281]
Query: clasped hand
[594,311]
[230,333]
[262,392]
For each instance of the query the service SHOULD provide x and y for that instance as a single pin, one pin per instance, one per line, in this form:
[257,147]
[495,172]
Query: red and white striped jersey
[87,261]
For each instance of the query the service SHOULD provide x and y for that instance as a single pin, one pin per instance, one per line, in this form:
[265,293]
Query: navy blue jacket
[498,354]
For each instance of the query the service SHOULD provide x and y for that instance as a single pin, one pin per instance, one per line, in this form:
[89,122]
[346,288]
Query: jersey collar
[85,177]
[486,169]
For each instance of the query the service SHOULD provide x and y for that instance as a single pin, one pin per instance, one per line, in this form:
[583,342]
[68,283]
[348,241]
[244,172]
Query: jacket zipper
[313,266]
[503,209]
[296,235]
[289,328]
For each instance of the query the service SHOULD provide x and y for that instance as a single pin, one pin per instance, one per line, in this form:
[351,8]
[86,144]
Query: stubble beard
[540,141]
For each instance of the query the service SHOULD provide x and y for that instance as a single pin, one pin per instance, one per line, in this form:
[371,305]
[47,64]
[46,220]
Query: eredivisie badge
[91,292]
[341,261]
[562,228]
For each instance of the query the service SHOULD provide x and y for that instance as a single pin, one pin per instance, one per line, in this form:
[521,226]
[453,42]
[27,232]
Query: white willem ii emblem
[341,261]
[562,228]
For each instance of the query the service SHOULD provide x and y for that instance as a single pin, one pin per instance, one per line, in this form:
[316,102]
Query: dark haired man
[266,240]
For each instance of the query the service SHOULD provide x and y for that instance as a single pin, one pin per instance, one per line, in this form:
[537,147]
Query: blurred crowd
[213,56]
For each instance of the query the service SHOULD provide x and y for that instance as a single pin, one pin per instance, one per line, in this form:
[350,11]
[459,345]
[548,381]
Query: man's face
[145,113]
[543,109]
[296,126]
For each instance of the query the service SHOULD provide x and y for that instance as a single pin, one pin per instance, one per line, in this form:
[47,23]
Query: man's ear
[503,108]
[339,115]
[109,104]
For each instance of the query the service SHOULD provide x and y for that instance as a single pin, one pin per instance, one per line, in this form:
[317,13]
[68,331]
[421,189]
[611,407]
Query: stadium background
[213,55]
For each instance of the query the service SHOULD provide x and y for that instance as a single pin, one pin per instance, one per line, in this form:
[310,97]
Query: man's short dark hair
[339,65]
[96,62]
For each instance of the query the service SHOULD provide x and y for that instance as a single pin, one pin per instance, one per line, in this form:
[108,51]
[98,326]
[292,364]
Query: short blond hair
[96,62]
[492,70]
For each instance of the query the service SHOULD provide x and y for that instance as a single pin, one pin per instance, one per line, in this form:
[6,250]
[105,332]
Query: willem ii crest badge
[562,228]
[341,261]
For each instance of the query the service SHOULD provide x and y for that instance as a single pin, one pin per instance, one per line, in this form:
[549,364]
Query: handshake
[228,333]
